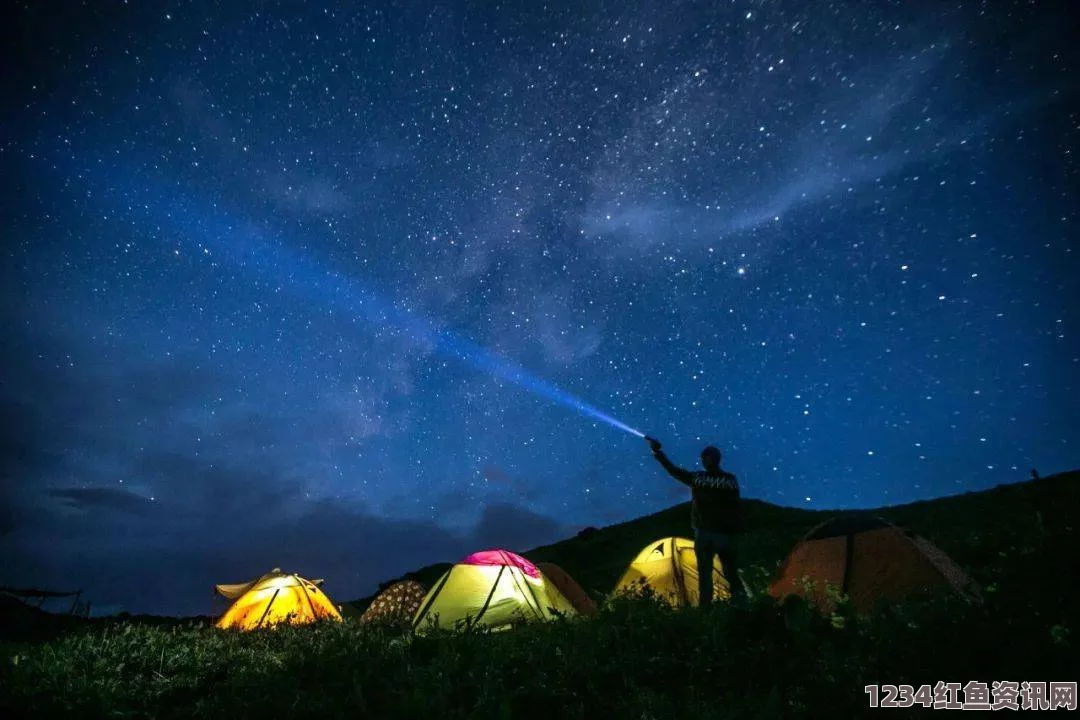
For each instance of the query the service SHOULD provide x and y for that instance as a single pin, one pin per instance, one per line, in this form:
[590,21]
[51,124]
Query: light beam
[242,244]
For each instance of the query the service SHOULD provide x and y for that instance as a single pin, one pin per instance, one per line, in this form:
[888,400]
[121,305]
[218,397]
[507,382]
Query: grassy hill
[634,659]
[971,527]
[597,559]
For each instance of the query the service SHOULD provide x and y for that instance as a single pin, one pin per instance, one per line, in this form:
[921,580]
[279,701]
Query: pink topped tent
[502,557]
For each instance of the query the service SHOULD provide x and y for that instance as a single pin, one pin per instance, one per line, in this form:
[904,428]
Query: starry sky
[327,286]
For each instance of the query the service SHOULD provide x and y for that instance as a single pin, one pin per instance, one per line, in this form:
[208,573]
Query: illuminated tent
[568,587]
[868,559]
[274,598]
[396,604]
[502,557]
[668,567]
[492,594]
[550,572]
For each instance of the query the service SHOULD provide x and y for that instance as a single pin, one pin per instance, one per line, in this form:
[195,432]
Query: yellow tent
[275,597]
[493,596]
[669,568]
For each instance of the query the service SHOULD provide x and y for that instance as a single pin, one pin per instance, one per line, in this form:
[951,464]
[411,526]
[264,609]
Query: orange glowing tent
[274,598]
[867,559]
[569,587]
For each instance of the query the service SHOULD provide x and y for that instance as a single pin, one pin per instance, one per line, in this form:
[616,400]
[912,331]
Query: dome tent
[569,587]
[274,598]
[502,557]
[496,589]
[668,568]
[868,559]
[398,603]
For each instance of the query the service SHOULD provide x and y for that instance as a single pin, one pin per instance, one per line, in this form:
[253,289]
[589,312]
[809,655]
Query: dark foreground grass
[637,659]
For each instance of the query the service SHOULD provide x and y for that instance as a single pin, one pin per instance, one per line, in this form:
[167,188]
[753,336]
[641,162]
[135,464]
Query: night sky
[310,285]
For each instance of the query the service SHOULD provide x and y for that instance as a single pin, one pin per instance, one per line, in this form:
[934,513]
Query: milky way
[350,290]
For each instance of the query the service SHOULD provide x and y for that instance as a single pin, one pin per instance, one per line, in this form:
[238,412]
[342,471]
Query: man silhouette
[715,517]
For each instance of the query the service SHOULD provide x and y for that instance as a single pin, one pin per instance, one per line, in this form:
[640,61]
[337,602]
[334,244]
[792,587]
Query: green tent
[493,596]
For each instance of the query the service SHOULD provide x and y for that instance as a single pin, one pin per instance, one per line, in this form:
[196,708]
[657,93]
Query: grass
[636,659]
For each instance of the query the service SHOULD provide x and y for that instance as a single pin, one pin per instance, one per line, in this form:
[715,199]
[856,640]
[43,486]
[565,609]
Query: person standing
[715,516]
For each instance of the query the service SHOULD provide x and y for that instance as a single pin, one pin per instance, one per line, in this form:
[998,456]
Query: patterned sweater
[715,505]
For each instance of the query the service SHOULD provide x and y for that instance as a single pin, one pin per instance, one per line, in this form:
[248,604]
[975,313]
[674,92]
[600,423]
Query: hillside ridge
[596,556]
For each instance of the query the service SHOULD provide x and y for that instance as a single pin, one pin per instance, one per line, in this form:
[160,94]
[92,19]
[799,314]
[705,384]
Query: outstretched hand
[653,443]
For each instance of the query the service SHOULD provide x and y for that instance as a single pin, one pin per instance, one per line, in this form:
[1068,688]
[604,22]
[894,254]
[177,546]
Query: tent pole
[484,607]
[268,606]
[538,610]
[434,594]
[307,596]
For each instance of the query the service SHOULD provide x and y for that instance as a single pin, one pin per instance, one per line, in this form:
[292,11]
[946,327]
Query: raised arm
[684,476]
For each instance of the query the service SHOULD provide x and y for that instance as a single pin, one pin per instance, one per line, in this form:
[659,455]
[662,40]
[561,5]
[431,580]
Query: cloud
[209,492]
[316,194]
[112,416]
[101,498]
[221,517]
[184,548]
[852,135]
[552,330]
[312,193]
[882,119]
[509,526]
[628,229]
[564,334]
[500,477]
[24,446]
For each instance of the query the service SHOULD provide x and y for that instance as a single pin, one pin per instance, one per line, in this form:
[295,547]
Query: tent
[868,559]
[502,557]
[668,567]
[491,594]
[274,598]
[396,604]
[568,587]
[550,572]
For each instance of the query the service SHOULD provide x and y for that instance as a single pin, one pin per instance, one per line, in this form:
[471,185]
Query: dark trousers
[725,546]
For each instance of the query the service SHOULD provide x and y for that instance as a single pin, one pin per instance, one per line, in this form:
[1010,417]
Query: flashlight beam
[243,244]
[485,360]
